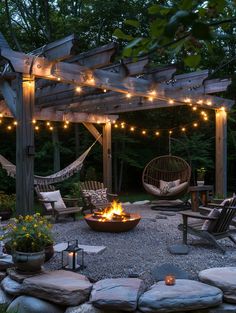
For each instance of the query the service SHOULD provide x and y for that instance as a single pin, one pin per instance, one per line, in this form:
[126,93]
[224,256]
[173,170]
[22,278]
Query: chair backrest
[225,218]
[43,188]
[91,185]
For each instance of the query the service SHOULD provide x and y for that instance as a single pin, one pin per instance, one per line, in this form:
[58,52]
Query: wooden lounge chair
[218,227]
[90,202]
[69,205]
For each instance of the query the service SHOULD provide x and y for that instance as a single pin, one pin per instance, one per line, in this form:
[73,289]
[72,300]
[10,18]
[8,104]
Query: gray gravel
[137,251]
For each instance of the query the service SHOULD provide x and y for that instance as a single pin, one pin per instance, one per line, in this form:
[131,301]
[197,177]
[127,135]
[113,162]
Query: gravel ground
[139,250]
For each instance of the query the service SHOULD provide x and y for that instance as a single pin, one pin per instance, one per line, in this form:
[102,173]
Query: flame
[112,212]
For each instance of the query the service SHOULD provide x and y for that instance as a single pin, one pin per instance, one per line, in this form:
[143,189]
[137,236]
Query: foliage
[7,202]
[201,173]
[31,233]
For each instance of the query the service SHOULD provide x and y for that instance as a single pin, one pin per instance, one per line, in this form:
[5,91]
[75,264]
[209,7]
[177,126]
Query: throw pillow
[165,186]
[96,196]
[53,196]
[152,189]
[209,224]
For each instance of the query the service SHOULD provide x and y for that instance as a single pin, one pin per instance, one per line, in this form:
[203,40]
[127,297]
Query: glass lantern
[73,257]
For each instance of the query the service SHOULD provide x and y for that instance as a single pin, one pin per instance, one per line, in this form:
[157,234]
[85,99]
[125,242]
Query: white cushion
[165,186]
[177,189]
[96,196]
[53,196]
[152,189]
[209,224]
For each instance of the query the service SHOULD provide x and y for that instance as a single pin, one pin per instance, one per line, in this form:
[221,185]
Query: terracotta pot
[28,262]
[49,252]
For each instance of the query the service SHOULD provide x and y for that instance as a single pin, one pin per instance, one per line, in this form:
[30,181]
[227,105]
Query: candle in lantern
[169,280]
[70,259]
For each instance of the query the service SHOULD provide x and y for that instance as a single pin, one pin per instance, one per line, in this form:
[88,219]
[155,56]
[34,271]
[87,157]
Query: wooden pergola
[43,85]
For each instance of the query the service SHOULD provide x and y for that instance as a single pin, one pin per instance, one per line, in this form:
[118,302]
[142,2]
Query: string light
[153,93]
[34,121]
[183,129]
[195,124]
[0,121]
[48,123]
[78,89]
[187,100]
[171,101]
[104,90]
[157,133]
[205,118]
[15,123]
[200,102]
[150,99]
[144,132]
[170,132]
[209,102]
[9,127]
[116,126]
[51,128]
[1,115]
[36,127]
[128,95]
[58,78]
[65,126]
[132,129]
[194,108]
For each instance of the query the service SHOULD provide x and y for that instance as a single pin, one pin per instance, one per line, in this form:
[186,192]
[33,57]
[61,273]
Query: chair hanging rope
[63,174]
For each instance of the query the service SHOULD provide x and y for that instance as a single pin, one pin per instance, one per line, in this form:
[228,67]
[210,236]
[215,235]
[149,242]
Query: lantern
[73,257]
[170,280]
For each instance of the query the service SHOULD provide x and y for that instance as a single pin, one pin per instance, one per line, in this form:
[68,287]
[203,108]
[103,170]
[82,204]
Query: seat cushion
[177,189]
[209,224]
[152,189]
[53,196]
[96,196]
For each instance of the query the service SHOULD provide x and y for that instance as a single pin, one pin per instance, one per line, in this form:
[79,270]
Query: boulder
[5,299]
[184,295]
[223,278]
[116,294]
[26,304]
[11,286]
[61,287]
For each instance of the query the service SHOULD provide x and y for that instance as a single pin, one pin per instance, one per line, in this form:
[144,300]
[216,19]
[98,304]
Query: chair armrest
[197,215]
[112,196]
[70,199]
[47,201]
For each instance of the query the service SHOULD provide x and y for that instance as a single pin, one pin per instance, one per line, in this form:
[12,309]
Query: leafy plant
[30,233]
[7,202]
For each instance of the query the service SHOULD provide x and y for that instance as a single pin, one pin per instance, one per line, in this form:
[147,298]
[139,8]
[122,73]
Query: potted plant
[28,236]
[7,205]
[201,176]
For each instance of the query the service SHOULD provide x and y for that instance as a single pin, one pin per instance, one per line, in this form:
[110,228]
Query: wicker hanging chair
[168,169]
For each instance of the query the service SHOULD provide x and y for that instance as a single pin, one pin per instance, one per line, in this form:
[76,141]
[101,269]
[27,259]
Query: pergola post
[221,153]
[107,161]
[25,144]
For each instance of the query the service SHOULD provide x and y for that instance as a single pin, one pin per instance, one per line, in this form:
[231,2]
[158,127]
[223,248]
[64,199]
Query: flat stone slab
[179,249]
[61,287]
[11,287]
[223,308]
[87,249]
[87,308]
[6,262]
[142,202]
[5,299]
[20,277]
[223,278]
[26,304]
[116,294]
[183,296]
[159,272]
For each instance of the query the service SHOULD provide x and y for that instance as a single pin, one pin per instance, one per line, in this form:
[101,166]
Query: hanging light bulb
[9,127]
[128,95]
[15,123]
[67,122]
[48,123]
[153,93]
[34,121]
[171,101]
[195,124]
[104,90]
[205,118]
[132,129]
[65,126]
[116,126]
[58,78]
[1,115]
[194,108]
[51,128]
[144,132]
[183,129]
[170,132]
[78,89]
[209,102]
[0,121]
[200,101]
[187,100]
[157,133]
[36,127]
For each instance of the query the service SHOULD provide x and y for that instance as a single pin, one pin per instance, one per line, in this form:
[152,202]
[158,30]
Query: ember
[112,219]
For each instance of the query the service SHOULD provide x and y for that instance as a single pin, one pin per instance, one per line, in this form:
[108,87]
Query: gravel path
[137,251]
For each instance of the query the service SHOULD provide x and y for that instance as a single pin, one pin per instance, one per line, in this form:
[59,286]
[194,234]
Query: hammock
[63,174]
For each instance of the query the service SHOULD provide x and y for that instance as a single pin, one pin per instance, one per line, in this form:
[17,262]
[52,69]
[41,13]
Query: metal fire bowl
[112,226]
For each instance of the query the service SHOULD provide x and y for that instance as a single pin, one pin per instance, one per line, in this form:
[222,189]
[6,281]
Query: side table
[195,192]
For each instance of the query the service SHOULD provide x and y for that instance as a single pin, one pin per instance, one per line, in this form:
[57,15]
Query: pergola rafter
[57,69]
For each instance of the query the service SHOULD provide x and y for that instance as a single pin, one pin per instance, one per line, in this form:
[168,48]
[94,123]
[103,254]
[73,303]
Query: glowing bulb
[65,126]
[170,132]
[78,89]
[0,121]
[183,129]
[195,124]
[150,99]
[153,92]
[122,126]
[48,124]
[98,122]
[144,132]
[116,126]
[128,95]
[209,102]
[51,128]
[187,100]
[222,108]
[194,108]
[67,122]
[205,118]
[200,102]
[203,113]
[1,115]
[9,127]
[34,121]
[104,90]
[171,101]
[132,129]
[15,123]
[36,128]
[58,78]
[157,133]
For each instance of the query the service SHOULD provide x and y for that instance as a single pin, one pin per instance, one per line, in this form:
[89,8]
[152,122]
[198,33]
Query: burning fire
[114,212]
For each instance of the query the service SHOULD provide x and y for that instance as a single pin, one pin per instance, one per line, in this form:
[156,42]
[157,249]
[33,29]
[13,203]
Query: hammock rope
[63,174]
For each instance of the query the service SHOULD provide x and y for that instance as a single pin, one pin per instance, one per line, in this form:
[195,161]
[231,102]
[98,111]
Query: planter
[200,182]
[28,262]
[49,252]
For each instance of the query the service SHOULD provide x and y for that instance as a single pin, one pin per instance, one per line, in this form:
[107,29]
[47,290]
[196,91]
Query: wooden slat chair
[218,229]
[71,203]
[92,205]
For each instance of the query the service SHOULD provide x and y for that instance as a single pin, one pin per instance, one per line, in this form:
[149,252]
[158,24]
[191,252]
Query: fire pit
[113,219]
